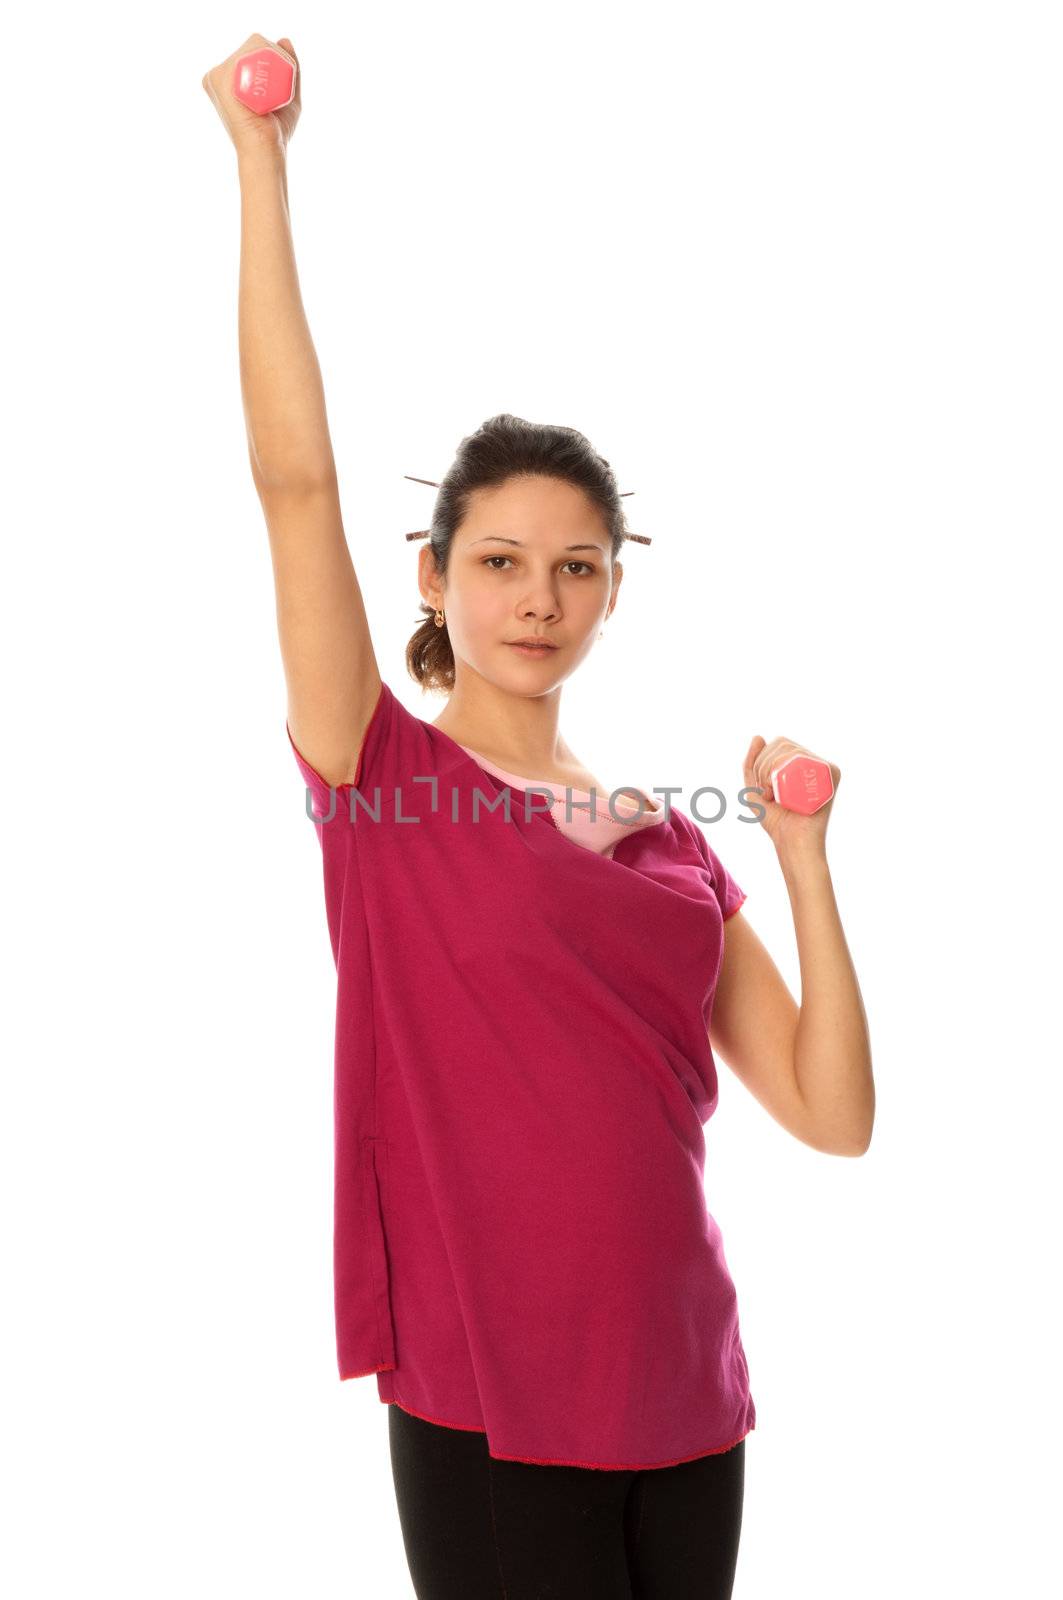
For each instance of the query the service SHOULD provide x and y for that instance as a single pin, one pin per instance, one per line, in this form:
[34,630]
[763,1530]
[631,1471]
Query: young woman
[532,985]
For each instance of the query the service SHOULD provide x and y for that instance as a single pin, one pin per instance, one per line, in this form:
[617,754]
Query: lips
[532,644]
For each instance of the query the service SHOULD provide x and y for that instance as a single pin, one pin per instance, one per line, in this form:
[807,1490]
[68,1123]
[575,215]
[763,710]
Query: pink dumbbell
[264,80]
[802,784]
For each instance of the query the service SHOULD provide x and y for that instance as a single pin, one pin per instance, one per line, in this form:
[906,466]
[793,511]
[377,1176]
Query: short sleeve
[396,745]
[320,798]
[728,893]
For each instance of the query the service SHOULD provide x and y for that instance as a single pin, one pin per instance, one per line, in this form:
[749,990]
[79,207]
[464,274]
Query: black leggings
[479,1529]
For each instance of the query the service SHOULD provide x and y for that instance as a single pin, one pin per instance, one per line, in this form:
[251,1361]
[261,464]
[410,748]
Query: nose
[544,605]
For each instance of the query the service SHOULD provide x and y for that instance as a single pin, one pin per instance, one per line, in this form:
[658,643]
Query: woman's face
[531,557]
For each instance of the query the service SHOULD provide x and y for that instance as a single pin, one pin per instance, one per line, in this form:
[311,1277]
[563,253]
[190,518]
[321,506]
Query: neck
[513,730]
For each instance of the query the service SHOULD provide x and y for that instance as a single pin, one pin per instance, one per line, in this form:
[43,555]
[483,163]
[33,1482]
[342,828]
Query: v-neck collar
[560,790]
[666,817]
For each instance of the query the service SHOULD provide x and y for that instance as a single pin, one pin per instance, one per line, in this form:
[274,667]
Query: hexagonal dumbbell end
[264,80]
[802,784]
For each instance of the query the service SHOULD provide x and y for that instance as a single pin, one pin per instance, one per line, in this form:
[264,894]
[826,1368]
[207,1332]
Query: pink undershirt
[598,831]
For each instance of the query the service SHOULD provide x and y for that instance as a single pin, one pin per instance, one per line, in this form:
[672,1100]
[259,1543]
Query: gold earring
[440,618]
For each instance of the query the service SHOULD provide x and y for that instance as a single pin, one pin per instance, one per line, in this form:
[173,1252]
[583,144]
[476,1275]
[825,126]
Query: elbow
[858,1144]
[832,1145]
[841,1127]
[856,1149]
[831,1139]
[847,1128]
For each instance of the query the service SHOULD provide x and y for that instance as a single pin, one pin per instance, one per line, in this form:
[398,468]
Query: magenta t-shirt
[522,1245]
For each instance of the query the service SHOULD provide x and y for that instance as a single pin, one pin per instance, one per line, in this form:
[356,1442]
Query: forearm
[832,1048]
[283,396]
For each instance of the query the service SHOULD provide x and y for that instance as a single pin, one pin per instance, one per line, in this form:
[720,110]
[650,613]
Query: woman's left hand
[785,828]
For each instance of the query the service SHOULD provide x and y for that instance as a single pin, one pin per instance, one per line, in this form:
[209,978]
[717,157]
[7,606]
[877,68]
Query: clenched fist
[248,130]
[784,828]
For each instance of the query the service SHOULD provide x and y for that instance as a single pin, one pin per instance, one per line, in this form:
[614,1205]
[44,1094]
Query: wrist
[802,857]
[260,155]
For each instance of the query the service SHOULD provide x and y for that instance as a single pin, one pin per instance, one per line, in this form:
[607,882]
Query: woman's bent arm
[329,662]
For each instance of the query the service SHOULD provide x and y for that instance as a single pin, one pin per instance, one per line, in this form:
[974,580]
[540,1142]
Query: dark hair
[506,447]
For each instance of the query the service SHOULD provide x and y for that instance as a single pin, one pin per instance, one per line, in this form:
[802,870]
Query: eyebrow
[499,538]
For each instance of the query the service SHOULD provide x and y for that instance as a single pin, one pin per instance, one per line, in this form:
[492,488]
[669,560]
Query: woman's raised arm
[329,663]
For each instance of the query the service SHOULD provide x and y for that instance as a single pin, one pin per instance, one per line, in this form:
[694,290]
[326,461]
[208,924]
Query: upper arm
[330,665]
[753,1025]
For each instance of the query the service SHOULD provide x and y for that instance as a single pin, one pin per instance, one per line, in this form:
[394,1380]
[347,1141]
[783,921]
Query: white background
[795,270]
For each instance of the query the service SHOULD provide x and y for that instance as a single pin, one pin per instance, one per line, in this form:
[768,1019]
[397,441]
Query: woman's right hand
[249,130]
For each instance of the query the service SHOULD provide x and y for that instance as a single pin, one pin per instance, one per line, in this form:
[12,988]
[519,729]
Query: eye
[588,569]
